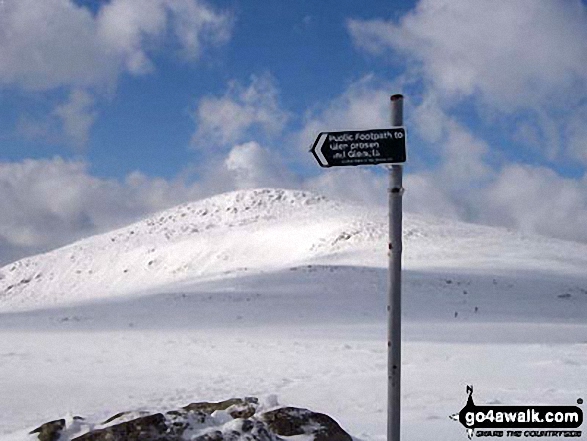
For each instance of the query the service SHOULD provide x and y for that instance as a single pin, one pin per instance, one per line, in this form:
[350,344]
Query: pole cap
[396,97]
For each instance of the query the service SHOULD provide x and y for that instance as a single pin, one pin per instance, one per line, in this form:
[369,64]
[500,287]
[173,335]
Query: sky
[111,110]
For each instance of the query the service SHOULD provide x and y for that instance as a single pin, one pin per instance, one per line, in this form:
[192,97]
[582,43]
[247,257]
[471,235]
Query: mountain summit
[259,230]
[255,229]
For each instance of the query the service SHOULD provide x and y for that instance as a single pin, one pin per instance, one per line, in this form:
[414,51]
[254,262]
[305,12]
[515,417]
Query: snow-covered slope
[262,230]
[281,292]
[236,231]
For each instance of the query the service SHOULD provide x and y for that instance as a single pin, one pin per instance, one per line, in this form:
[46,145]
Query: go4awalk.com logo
[519,421]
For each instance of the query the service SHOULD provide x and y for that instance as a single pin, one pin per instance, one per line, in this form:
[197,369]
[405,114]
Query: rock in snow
[231,420]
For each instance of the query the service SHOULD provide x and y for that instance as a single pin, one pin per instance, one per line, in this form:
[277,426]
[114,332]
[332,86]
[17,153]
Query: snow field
[100,373]
[278,292]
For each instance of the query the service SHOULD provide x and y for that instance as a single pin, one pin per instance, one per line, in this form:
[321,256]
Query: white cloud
[229,119]
[512,54]
[53,43]
[53,202]
[534,200]
[195,26]
[515,61]
[250,166]
[354,184]
[49,44]
[450,188]
[462,154]
[519,61]
[122,27]
[430,119]
[366,105]
[576,134]
[363,105]
[70,122]
[426,194]
[463,159]
[77,116]
[463,185]
[537,200]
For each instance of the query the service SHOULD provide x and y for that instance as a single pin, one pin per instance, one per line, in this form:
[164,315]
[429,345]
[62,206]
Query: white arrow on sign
[318,149]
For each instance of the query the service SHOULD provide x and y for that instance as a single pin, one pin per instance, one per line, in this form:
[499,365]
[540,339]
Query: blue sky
[112,110]
[146,125]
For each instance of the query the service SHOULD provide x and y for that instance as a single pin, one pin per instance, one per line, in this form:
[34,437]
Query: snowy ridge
[258,231]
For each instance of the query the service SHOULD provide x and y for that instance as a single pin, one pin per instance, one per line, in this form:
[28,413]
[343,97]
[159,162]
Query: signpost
[370,147]
[333,149]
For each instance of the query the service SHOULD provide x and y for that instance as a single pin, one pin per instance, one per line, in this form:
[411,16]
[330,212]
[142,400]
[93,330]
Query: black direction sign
[379,146]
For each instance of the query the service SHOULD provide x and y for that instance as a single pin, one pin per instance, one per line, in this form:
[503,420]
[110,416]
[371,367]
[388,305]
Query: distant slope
[262,230]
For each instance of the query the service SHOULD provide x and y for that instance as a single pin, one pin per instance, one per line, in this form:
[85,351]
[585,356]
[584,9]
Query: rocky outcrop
[230,420]
[50,431]
[290,421]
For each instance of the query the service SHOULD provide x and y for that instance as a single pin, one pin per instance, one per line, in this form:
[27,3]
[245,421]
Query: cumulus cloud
[52,202]
[77,116]
[512,54]
[54,43]
[354,184]
[515,60]
[363,105]
[534,200]
[250,166]
[69,122]
[531,199]
[464,184]
[519,66]
[228,119]
[196,25]
[576,134]
[58,45]
[425,194]
[537,200]
[464,167]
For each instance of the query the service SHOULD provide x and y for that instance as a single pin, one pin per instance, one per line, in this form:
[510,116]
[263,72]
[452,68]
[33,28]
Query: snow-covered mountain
[261,230]
[264,292]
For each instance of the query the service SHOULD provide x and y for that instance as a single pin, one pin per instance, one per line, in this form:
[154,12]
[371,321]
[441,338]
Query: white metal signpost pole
[394,319]
[372,147]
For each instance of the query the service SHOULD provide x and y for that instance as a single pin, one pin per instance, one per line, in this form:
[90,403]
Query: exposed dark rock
[50,431]
[121,414]
[196,422]
[114,417]
[236,407]
[248,431]
[290,421]
[147,428]
[211,436]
